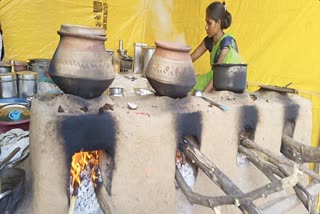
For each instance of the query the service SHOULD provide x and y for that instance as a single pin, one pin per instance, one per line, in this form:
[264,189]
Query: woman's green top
[232,57]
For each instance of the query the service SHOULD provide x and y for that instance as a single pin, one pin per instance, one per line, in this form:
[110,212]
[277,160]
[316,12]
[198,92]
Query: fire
[84,161]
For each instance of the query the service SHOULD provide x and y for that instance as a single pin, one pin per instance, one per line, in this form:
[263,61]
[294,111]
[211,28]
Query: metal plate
[14,113]
[279,89]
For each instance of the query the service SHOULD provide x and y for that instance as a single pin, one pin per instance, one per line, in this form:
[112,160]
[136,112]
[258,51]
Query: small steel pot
[5,67]
[116,91]
[27,83]
[147,53]
[230,77]
[8,85]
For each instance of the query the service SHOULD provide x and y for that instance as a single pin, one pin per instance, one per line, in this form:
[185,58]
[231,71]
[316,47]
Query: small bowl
[116,91]
[143,91]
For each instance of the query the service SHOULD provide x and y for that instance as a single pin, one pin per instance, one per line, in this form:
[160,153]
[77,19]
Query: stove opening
[88,171]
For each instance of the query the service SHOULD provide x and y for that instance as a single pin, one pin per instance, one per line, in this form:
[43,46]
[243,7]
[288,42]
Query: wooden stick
[250,144]
[307,200]
[299,152]
[195,198]
[105,201]
[283,205]
[267,169]
[72,204]
[215,174]
[300,190]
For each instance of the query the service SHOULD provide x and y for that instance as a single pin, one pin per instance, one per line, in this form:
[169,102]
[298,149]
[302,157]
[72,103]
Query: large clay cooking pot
[81,65]
[170,70]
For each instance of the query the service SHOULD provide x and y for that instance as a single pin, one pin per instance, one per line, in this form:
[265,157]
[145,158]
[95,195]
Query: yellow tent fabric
[278,39]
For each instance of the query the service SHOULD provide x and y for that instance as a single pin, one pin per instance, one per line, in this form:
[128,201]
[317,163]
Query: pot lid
[176,46]
[4,64]
[27,75]
[9,76]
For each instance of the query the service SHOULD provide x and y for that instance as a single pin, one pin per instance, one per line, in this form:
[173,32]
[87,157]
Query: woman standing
[222,47]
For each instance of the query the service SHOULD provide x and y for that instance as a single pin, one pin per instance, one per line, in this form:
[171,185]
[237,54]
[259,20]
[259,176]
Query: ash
[86,202]
[186,171]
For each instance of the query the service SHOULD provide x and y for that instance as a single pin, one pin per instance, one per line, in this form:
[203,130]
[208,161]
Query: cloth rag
[13,139]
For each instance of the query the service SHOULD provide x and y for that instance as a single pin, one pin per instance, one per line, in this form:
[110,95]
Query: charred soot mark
[88,133]
[291,113]
[248,121]
[189,124]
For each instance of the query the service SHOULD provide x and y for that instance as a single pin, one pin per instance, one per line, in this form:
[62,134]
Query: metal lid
[30,75]
[9,76]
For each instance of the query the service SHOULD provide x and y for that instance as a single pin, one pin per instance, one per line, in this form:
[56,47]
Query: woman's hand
[209,86]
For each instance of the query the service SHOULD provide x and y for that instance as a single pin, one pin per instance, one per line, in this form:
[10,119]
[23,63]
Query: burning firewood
[84,177]
[105,201]
[72,203]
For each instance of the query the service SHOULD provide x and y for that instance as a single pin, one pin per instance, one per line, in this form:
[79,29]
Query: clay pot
[20,65]
[170,70]
[81,65]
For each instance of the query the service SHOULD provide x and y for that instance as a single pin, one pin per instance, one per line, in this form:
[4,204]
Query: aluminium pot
[8,85]
[5,67]
[147,53]
[81,65]
[27,83]
[230,77]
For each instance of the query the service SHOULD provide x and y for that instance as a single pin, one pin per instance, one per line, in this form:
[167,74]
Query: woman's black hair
[217,11]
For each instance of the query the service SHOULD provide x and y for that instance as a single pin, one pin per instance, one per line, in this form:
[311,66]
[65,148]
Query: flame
[84,161]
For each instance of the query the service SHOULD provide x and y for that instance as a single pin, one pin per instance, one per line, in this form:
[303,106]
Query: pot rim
[27,75]
[81,29]
[85,36]
[11,123]
[175,46]
[5,64]
[229,65]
